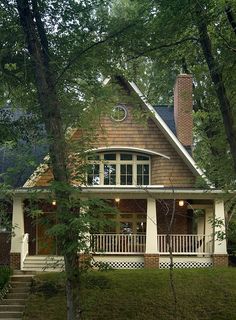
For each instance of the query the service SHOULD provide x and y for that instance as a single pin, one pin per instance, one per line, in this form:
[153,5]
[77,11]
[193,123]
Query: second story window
[118,168]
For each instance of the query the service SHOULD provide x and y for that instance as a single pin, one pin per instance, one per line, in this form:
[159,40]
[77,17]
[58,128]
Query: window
[118,168]
[119,113]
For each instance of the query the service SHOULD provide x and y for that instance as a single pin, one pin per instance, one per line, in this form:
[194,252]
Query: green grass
[202,294]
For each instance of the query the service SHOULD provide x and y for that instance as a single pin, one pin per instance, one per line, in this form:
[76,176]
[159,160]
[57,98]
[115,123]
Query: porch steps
[12,306]
[43,264]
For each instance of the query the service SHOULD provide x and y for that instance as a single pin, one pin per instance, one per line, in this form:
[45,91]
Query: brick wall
[151,261]
[182,219]
[5,247]
[15,260]
[220,260]
[183,108]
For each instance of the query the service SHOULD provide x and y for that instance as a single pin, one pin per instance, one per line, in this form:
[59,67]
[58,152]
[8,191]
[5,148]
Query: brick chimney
[183,109]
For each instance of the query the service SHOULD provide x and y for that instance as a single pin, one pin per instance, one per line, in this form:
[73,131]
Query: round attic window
[119,113]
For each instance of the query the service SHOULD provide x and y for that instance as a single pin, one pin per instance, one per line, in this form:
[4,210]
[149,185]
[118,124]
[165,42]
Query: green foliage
[5,273]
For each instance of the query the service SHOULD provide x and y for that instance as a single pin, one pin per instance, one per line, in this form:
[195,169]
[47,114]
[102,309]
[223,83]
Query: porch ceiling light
[181,203]
[117,200]
[54,202]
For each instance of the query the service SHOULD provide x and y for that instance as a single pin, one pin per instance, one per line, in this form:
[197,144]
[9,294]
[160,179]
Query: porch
[140,236]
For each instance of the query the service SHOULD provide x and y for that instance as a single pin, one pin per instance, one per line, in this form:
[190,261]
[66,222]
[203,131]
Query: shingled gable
[129,87]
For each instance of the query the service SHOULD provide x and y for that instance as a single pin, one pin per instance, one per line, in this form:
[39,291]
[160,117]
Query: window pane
[126,227]
[139,169]
[109,174]
[139,180]
[123,169]
[109,156]
[129,179]
[142,157]
[146,180]
[123,180]
[141,227]
[145,168]
[125,156]
[129,169]
[93,169]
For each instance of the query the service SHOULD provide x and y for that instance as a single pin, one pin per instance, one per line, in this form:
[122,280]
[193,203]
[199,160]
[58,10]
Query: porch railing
[24,249]
[185,244]
[182,244]
[118,243]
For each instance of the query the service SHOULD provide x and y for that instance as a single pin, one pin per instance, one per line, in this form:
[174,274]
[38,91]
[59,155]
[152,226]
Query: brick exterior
[183,108]
[220,260]
[151,261]
[15,260]
[183,219]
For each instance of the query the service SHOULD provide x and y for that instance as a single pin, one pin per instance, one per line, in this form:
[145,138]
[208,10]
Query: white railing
[24,249]
[118,243]
[185,244]
[181,244]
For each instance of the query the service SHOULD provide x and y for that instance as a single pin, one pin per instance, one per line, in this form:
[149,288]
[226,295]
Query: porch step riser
[42,269]
[20,284]
[19,302]
[12,307]
[17,295]
[7,314]
[21,278]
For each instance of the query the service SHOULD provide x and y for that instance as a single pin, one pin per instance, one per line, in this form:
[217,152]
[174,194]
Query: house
[147,171]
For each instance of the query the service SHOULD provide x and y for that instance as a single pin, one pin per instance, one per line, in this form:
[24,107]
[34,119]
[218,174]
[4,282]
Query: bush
[5,273]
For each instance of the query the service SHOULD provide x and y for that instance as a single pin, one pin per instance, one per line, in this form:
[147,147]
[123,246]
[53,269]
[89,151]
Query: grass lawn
[203,294]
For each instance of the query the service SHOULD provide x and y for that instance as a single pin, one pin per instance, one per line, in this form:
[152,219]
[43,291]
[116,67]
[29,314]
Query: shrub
[5,273]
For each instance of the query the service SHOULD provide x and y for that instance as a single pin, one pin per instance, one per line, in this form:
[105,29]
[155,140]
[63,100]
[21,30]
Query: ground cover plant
[5,273]
[139,294]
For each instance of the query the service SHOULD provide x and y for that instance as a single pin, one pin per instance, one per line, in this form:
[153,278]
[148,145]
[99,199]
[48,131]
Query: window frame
[118,162]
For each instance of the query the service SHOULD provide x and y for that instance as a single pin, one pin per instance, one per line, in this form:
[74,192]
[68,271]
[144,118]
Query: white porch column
[208,221]
[18,224]
[151,233]
[219,245]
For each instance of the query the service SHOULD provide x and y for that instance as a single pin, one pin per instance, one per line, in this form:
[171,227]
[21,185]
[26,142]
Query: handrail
[24,249]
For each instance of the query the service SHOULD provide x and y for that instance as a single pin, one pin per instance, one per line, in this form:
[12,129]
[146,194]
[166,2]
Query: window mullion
[118,162]
[134,182]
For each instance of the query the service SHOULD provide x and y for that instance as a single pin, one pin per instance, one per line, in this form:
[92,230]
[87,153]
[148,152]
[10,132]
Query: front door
[46,244]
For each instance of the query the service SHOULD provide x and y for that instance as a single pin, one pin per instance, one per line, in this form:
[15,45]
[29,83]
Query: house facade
[146,170]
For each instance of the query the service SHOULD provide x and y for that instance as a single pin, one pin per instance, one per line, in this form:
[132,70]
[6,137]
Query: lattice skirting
[187,264]
[120,264]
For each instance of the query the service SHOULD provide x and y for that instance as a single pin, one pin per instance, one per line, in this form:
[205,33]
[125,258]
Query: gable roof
[171,137]
[164,119]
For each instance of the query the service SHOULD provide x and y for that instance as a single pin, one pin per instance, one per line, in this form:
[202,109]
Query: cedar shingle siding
[129,133]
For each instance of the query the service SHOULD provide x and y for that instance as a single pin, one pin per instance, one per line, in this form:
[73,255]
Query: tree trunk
[36,40]
[226,108]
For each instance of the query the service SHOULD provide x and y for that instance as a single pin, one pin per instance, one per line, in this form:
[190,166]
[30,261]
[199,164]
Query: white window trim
[118,162]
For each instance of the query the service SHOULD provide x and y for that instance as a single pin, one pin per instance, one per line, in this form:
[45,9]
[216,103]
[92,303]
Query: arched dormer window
[118,168]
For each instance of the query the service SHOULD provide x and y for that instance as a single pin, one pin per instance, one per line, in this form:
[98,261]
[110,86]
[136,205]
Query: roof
[163,117]
[166,112]
[22,145]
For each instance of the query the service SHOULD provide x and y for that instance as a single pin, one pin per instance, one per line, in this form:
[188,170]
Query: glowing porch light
[181,203]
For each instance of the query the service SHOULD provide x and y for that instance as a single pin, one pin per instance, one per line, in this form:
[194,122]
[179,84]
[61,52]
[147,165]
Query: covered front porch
[139,237]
